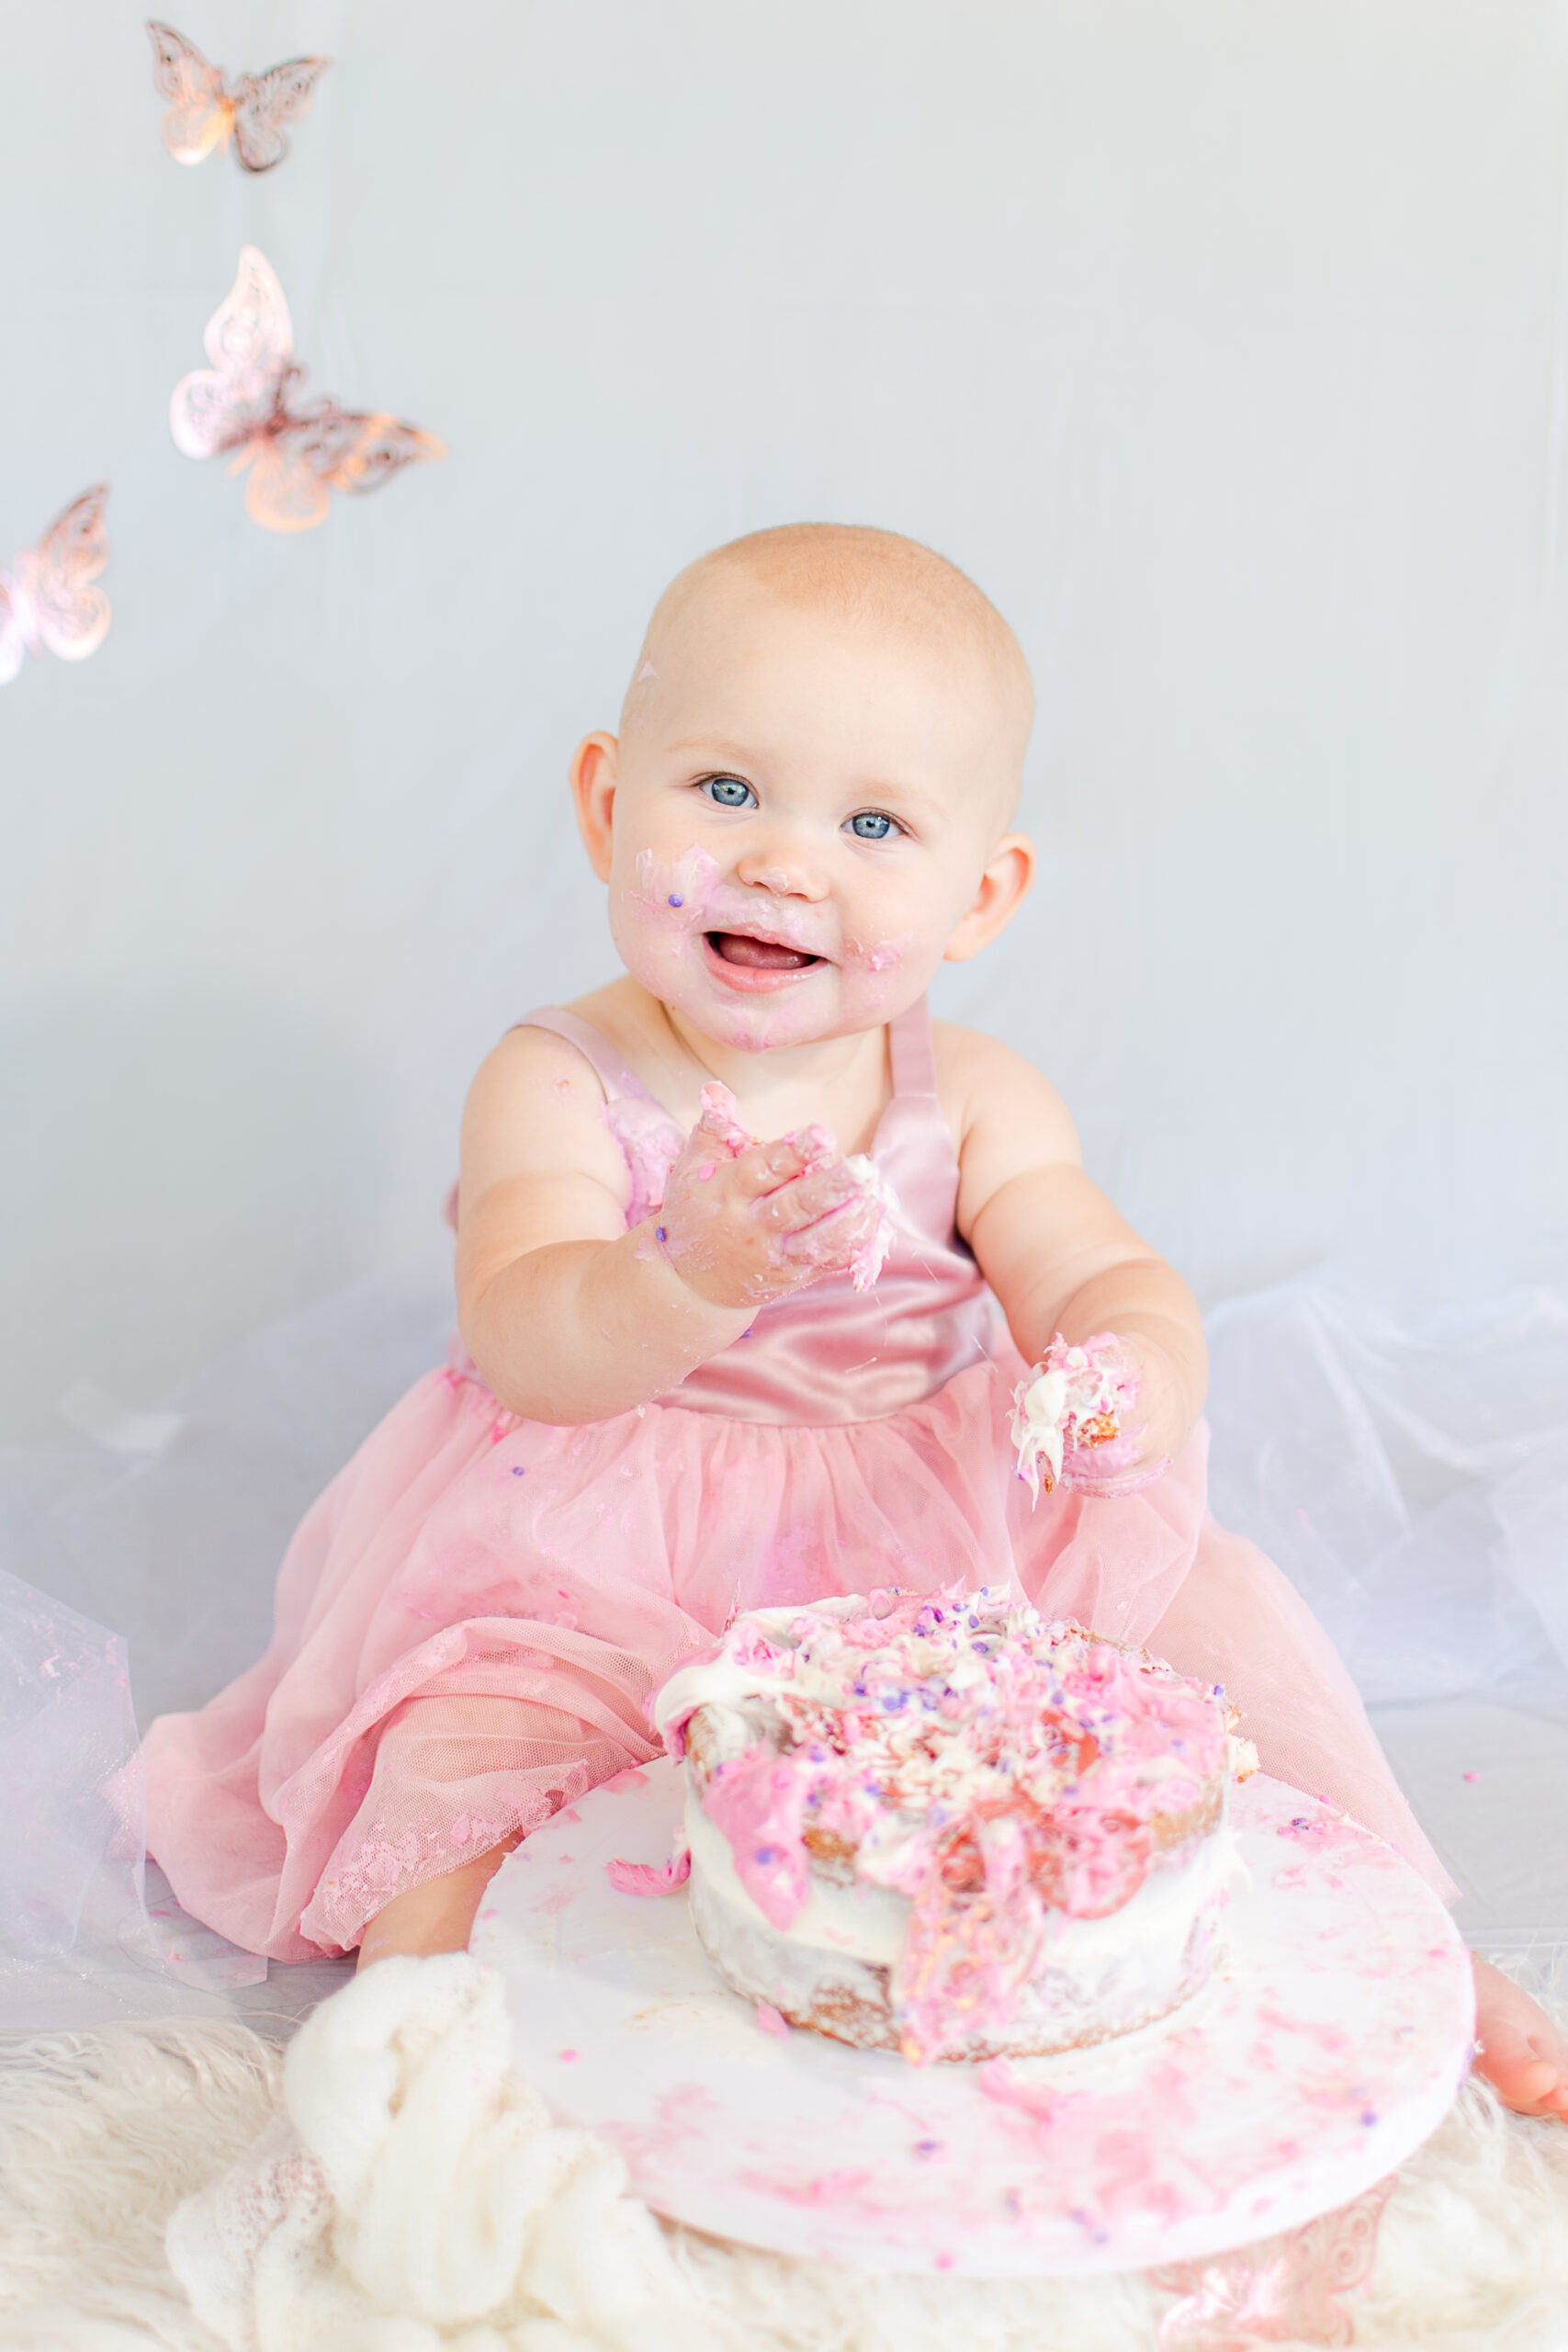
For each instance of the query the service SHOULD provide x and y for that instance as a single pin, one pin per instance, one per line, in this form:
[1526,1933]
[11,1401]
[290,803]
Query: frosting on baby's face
[804,808]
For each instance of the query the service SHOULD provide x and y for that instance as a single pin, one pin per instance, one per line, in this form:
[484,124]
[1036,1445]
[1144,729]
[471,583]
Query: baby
[678,1393]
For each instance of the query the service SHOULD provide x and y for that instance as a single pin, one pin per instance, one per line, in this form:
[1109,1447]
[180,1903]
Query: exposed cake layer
[945,1826]
[834,1966]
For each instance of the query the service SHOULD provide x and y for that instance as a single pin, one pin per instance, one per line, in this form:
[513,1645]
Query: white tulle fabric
[1403,1452]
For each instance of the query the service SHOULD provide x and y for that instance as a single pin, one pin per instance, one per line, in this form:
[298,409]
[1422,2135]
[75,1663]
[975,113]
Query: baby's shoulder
[536,1106]
[531,1065]
[994,1098]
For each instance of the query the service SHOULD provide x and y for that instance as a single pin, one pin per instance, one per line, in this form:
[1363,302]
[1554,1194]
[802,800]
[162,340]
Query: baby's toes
[1525,2076]
[1518,2048]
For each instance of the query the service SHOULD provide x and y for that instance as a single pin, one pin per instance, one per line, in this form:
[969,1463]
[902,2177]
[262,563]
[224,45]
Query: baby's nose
[777,867]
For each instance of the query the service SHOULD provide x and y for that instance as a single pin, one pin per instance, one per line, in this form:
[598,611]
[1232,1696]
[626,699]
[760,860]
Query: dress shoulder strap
[911,1053]
[619,1080]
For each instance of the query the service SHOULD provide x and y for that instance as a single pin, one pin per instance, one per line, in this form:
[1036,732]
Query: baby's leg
[1240,1621]
[438,1915]
[458,1779]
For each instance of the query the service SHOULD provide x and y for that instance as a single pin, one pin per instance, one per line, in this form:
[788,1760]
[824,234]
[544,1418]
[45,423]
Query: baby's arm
[1061,1259]
[571,1317]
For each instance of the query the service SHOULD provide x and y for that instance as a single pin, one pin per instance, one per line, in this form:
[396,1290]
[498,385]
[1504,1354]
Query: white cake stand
[1329,2046]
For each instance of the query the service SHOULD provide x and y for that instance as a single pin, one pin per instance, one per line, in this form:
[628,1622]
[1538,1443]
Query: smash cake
[942,1825]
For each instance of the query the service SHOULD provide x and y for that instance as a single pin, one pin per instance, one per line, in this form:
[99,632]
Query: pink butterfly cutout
[205,114]
[296,455]
[45,600]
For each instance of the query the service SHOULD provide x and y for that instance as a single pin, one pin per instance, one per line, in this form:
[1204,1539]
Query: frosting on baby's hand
[717,1118]
[869,1207]
[1073,1404]
[879,1196]
[744,1222]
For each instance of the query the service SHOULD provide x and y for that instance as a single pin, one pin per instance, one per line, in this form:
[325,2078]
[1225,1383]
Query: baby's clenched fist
[744,1222]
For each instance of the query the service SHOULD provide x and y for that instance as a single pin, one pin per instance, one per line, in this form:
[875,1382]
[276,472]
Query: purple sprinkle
[516,1473]
[927,2147]
[766,1854]
[659,1233]
[1369,2117]
[676,900]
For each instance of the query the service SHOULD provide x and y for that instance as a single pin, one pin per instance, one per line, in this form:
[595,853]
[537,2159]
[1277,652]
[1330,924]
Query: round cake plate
[1328,2046]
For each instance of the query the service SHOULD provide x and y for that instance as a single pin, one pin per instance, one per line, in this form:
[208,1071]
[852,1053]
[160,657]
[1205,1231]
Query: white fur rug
[392,2186]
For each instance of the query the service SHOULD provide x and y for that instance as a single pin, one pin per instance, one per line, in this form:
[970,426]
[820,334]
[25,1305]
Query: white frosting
[872,1185]
[1098,1977]
[1077,1397]
[862,1921]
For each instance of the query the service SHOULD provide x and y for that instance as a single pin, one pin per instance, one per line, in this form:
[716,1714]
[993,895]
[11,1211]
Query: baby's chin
[763,1011]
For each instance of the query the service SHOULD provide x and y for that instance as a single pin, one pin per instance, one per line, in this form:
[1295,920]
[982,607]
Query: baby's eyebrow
[721,750]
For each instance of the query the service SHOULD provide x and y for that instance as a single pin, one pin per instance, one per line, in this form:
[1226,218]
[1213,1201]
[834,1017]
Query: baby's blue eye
[729,792]
[872,825]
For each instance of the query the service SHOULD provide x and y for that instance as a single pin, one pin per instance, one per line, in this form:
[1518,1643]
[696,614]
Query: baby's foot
[1517,2048]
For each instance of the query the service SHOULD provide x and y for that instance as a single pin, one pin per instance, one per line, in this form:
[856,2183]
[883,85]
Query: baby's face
[803,811]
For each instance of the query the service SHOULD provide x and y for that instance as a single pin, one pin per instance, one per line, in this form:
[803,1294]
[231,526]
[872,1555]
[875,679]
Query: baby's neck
[747,1070]
[844,1082]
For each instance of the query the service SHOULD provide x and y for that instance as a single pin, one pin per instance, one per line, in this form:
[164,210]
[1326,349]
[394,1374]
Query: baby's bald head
[820,750]
[862,579]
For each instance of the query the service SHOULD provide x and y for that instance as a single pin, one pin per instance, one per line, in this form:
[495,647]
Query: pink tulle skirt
[469,1621]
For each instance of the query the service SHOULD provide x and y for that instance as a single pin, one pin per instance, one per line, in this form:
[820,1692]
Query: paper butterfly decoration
[47,600]
[205,114]
[296,455]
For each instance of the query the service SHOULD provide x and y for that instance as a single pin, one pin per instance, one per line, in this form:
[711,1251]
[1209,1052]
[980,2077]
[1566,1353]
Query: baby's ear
[1004,886]
[594,770]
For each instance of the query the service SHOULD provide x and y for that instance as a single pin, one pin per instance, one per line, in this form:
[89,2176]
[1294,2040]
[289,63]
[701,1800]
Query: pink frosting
[645,1878]
[995,1768]
[757,1801]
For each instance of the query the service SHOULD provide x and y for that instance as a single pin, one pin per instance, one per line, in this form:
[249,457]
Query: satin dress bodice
[827,1352]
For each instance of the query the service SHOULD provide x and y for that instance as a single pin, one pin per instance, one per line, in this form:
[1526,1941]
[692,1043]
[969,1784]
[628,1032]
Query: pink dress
[471,1619]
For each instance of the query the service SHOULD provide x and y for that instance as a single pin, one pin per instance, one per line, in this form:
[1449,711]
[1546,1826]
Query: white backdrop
[1223,341]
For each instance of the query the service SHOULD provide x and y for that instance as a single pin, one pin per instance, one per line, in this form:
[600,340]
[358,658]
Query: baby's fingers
[768,1166]
[1112,1487]
[819,1193]
[719,1118]
[840,1222]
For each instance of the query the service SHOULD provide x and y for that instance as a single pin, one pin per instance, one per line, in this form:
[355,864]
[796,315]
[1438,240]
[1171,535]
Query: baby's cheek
[877,960]
[878,977]
[651,954]
[655,912]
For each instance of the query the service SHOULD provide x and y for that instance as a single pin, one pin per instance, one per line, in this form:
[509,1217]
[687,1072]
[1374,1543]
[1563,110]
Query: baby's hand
[744,1222]
[1103,1418]
[1149,1425]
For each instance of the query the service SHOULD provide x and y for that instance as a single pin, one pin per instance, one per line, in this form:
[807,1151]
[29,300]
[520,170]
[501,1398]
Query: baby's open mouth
[759,954]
